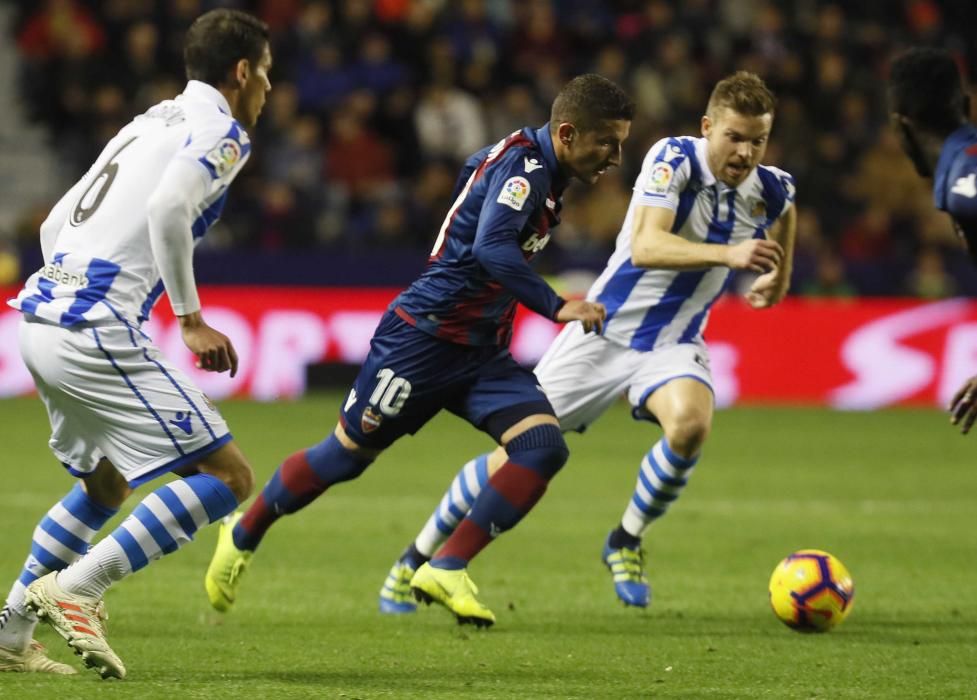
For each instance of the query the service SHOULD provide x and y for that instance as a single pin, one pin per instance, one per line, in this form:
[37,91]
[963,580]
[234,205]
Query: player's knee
[239,478]
[687,432]
[230,466]
[334,462]
[243,483]
[541,448]
[496,459]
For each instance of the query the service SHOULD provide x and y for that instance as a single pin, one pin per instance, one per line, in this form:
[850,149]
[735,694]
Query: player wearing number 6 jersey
[443,344]
[120,413]
[700,208]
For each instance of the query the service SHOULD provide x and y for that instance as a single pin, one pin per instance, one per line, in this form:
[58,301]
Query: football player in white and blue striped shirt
[701,208]
[121,414]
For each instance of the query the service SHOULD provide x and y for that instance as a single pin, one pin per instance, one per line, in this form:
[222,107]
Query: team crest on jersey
[659,178]
[370,420]
[224,156]
[515,192]
[758,209]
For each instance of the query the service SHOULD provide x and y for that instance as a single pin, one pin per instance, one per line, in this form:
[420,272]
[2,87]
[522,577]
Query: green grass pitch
[893,494]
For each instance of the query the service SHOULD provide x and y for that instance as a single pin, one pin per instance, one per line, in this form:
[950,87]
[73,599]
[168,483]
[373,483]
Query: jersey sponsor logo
[224,156]
[515,192]
[966,186]
[659,178]
[59,275]
[535,243]
[531,164]
[370,420]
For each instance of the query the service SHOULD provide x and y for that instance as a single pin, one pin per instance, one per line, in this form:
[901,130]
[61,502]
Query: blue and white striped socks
[662,477]
[61,537]
[454,506]
[163,522]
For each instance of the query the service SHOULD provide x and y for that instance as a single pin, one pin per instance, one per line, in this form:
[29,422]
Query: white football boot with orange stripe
[79,619]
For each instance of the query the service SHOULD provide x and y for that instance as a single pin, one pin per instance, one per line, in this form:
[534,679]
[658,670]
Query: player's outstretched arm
[497,250]
[653,245]
[770,288]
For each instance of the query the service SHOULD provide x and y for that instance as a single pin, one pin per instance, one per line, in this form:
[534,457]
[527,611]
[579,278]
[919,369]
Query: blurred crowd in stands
[375,103]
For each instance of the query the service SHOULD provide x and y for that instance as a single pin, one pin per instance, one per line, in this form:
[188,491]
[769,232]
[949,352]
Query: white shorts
[110,393]
[583,374]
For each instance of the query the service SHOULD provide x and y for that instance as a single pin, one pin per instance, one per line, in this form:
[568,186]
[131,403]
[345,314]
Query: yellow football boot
[453,589]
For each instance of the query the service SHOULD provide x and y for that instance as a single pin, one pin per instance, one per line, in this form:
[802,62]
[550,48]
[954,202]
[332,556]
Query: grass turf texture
[893,494]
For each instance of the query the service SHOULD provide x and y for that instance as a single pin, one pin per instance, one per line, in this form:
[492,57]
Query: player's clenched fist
[589,313]
[756,255]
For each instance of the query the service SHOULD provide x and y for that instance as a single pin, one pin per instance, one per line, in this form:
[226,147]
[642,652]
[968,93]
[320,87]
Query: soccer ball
[811,591]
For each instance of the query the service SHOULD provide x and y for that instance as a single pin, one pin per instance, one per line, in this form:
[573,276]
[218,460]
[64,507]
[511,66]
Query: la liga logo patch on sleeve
[224,156]
[515,192]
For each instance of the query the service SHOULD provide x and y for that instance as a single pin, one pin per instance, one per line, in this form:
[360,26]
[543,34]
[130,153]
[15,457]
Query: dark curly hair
[925,86]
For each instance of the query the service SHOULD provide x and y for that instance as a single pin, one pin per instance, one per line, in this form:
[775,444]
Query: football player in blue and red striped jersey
[443,344]
[930,113]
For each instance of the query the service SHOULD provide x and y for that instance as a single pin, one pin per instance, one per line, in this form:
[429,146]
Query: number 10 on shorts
[391,392]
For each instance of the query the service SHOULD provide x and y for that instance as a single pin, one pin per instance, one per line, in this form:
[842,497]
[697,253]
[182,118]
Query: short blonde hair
[742,92]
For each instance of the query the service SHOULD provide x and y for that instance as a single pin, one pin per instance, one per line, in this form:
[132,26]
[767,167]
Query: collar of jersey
[198,90]
[965,136]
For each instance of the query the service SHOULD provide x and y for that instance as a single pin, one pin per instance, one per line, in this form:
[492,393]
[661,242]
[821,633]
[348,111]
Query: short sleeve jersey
[651,308]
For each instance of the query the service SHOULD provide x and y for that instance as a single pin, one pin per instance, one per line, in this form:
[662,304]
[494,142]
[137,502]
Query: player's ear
[565,132]
[705,124]
[241,70]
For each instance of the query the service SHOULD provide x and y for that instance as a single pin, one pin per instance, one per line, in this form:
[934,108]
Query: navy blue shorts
[410,375]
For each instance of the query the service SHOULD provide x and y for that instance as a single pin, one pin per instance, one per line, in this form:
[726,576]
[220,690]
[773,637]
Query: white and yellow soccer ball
[811,591]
